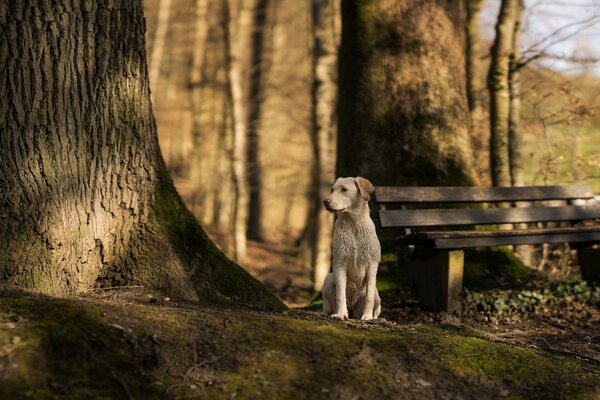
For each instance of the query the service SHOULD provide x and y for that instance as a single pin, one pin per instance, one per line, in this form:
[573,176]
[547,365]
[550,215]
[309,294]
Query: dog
[349,290]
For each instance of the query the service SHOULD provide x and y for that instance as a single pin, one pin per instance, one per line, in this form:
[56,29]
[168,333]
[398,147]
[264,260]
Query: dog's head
[348,194]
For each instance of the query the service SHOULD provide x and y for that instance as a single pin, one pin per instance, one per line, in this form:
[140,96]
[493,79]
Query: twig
[119,287]
[195,366]
[205,362]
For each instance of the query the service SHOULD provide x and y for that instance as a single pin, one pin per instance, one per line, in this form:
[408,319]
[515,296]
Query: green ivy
[518,305]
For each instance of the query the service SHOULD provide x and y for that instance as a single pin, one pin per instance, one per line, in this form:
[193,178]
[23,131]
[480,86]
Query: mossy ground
[136,346]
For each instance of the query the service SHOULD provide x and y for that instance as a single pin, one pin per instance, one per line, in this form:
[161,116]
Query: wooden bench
[433,240]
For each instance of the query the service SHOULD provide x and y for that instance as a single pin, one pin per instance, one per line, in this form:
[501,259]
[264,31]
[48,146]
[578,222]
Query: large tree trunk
[325,25]
[85,198]
[499,89]
[403,104]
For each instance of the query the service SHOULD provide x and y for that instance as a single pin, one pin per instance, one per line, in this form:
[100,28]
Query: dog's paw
[366,317]
[340,316]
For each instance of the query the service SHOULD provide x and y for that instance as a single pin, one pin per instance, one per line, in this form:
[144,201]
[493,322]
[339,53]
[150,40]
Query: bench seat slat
[412,194]
[489,216]
[460,239]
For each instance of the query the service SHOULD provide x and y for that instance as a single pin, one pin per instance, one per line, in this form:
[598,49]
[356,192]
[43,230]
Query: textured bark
[499,90]
[475,86]
[403,103]
[85,199]
[325,35]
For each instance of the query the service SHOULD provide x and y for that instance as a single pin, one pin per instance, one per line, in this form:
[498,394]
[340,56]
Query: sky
[562,28]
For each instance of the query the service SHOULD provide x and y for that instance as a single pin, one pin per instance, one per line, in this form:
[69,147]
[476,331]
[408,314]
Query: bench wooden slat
[517,240]
[461,194]
[493,233]
[461,239]
[489,216]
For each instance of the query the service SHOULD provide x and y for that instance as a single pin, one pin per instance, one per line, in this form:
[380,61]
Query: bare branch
[586,23]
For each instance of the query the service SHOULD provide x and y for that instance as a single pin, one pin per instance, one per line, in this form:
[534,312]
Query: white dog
[349,291]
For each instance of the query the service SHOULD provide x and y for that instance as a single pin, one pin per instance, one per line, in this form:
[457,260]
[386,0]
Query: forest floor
[134,343]
[575,332]
[131,343]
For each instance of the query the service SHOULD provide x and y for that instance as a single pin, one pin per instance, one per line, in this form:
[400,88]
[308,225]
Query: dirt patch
[278,268]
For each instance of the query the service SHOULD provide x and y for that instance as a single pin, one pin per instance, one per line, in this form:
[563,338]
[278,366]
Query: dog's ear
[365,187]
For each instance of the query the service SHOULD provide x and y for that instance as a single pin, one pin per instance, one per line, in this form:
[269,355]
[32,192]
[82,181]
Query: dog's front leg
[371,282]
[341,308]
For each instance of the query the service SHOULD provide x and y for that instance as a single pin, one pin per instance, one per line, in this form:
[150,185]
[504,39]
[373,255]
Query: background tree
[238,16]
[86,200]
[325,17]
[403,103]
[515,136]
[475,88]
[499,90]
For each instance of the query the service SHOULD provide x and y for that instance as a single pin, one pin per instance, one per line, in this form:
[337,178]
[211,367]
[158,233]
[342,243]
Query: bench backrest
[407,218]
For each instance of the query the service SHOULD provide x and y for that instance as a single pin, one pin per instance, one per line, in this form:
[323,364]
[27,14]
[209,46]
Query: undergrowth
[560,299]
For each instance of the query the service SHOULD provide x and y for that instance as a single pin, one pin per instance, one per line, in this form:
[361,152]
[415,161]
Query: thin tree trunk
[325,36]
[158,48]
[198,157]
[475,85]
[240,24]
[210,163]
[255,93]
[514,130]
[499,90]
[85,199]
[524,252]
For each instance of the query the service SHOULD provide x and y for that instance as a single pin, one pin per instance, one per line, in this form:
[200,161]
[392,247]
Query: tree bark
[325,37]
[403,112]
[499,90]
[85,198]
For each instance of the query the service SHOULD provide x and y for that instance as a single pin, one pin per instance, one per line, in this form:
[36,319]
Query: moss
[91,349]
[495,267]
[216,278]
[65,349]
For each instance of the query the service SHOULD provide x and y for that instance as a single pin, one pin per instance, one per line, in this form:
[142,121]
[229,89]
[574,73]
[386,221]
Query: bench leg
[438,279]
[589,261]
